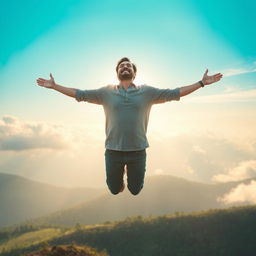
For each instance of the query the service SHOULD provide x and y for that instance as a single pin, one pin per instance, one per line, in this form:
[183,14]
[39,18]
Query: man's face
[125,71]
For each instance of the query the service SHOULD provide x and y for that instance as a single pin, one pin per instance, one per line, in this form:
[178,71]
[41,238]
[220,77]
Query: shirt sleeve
[162,95]
[91,96]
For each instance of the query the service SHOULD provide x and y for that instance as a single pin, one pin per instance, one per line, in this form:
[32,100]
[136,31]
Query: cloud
[237,71]
[18,135]
[159,172]
[10,119]
[244,170]
[238,96]
[243,193]
[199,149]
[197,154]
[231,94]
[187,168]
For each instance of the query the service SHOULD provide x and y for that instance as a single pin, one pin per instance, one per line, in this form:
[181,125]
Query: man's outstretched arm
[185,90]
[50,84]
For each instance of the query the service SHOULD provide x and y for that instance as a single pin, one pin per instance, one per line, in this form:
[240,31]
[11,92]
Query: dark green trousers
[135,162]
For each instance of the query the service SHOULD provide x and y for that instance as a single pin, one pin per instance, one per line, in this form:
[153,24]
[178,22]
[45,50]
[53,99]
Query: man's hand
[211,79]
[46,83]
[52,85]
[185,90]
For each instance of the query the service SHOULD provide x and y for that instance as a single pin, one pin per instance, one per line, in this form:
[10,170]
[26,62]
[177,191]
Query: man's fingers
[206,72]
[39,83]
[51,76]
[218,76]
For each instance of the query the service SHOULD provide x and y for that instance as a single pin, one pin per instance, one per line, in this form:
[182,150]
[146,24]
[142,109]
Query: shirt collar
[132,85]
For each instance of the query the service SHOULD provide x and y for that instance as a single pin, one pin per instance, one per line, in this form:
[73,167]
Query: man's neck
[125,83]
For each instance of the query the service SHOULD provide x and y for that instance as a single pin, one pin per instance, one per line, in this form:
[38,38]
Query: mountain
[161,195]
[21,198]
[228,232]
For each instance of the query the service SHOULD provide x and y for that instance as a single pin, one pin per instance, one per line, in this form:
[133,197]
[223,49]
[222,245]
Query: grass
[30,238]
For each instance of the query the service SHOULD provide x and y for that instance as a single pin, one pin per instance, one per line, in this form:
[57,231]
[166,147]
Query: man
[127,107]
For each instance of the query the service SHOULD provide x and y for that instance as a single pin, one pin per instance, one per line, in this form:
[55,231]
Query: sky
[208,136]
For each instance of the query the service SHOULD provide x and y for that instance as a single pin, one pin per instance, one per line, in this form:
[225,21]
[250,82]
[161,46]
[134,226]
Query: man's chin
[125,77]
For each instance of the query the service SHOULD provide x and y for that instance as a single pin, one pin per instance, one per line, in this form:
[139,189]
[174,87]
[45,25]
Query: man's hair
[126,59]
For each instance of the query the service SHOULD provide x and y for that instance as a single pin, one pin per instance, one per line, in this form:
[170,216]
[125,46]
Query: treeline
[8,232]
[16,230]
[229,232]
[217,232]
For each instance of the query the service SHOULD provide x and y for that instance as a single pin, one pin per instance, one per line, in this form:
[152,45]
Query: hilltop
[67,250]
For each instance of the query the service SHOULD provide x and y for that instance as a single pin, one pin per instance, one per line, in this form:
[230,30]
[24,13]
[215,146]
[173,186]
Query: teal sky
[172,42]
[232,21]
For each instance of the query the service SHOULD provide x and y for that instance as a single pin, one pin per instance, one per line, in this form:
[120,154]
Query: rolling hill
[21,198]
[161,195]
[229,232]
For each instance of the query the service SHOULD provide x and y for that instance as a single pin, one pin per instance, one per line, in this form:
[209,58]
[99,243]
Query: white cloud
[230,89]
[238,96]
[19,135]
[199,149]
[237,71]
[159,172]
[240,194]
[10,119]
[188,168]
[63,155]
[195,155]
[199,155]
[244,170]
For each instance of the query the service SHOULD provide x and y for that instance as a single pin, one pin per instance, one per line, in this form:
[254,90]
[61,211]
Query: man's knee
[135,190]
[115,189]
[114,192]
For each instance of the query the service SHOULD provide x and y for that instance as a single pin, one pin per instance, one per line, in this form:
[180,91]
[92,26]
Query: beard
[122,75]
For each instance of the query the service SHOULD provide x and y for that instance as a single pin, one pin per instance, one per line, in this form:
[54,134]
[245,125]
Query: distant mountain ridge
[161,195]
[22,199]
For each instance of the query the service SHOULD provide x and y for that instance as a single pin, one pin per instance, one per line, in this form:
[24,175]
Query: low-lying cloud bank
[17,135]
[244,170]
[73,155]
[243,193]
[228,97]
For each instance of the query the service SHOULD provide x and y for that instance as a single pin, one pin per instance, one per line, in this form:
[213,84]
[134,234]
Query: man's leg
[114,171]
[136,168]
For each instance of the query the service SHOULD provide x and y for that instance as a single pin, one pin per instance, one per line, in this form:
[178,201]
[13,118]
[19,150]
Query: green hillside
[29,238]
[161,195]
[21,198]
[229,232]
